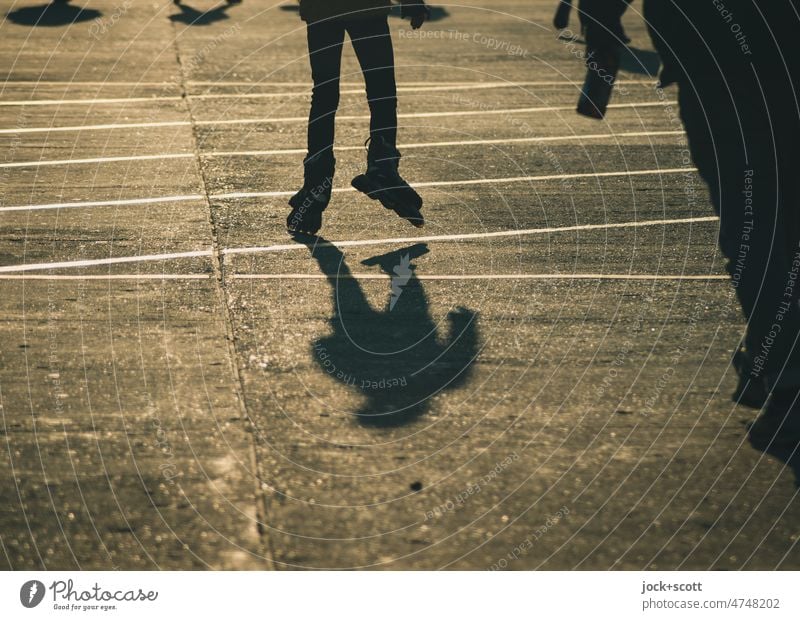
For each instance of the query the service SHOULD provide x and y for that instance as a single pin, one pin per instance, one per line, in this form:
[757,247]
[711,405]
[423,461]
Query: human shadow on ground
[394,357]
[192,17]
[436,13]
[56,13]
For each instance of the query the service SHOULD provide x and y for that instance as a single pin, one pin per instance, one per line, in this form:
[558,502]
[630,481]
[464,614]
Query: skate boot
[312,199]
[779,424]
[383,182]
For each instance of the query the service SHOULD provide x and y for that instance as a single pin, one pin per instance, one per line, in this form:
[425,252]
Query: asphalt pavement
[538,379]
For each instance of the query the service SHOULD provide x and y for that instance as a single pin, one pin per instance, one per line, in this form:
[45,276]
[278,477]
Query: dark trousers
[373,46]
[737,99]
[747,152]
[602,22]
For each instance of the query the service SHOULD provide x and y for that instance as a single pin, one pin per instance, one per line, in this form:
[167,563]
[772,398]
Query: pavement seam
[261,505]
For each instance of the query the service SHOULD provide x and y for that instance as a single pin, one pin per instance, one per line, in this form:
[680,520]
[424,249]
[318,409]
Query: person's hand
[418,20]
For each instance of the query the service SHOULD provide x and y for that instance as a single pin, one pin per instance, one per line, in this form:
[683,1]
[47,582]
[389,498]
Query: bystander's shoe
[561,19]
[750,391]
[779,425]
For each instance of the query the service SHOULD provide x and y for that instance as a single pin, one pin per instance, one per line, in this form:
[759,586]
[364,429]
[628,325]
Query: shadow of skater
[437,13]
[56,13]
[192,17]
[395,356]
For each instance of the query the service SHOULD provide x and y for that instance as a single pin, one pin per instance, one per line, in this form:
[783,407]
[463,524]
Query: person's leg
[733,148]
[325,40]
[382,181]
[601,21]
[372,43]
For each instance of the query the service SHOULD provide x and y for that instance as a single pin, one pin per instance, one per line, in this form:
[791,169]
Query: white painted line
[555,177]
[304,118]
[220,83]
[283,194]
[438,84]
[501,276]
[305,91]
[235,83]
[467,236]
[363,276]
[467,182]
[360,91]
[95,127]
[277,152]
[142,258]
[65,84]
[59,102]
[501,112]
[591,136]
[133,276]
[96,160]
[342,244]
[106,203]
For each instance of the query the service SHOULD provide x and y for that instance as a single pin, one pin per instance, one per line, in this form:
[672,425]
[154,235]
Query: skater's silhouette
[435,13]
[192,17]
[56,13]
[366,23]
[395,357]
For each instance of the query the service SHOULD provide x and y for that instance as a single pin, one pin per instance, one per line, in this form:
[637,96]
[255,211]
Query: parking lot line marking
[438,85]
[467,182]
[501,276]
[556,177]
[468,236]
[75,264]
[302,151]
[304,91]
[351,243]
[500,112]
[283,194]
[304,118]
[64,83]
[97,101]
[363,276]
[69,128]
[367,276]
[110,276]
[96,160]
[105,203]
